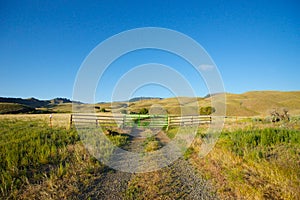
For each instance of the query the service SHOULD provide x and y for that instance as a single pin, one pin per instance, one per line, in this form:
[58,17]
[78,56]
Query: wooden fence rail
[189,120]
[136,120]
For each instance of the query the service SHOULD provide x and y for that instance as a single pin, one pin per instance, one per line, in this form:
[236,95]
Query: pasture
[253,158]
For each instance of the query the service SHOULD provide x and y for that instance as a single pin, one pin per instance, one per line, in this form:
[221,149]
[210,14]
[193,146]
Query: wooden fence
[136,120]
[188,120]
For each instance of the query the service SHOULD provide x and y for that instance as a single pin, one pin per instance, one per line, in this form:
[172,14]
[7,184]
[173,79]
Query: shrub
[187,154]
[144,111]
[124,111]
[151,144]
[103,110]
[207,110]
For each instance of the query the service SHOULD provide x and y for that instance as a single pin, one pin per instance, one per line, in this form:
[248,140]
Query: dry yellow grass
[255,103]
[58,120]
[262,102]
[236,177]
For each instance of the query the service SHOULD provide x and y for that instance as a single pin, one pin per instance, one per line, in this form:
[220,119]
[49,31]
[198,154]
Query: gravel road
[176,181]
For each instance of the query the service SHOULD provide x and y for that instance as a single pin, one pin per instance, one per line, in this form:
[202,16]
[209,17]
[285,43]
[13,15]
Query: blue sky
[255,44]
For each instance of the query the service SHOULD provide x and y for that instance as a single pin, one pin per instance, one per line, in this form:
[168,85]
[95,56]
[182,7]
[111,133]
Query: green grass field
[252,159]
[35,157]
[254,162]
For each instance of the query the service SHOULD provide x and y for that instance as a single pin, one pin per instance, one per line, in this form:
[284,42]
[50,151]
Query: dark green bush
[103,110]
[207,110]
[144,111]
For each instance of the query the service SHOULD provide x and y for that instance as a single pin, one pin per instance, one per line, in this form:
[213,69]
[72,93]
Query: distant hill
[60,101]
[14,108]
[254,103]
[262,102]
[142,98]
[30,105]
[31,102]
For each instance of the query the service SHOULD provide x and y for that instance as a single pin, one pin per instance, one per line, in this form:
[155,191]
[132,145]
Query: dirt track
[176,181]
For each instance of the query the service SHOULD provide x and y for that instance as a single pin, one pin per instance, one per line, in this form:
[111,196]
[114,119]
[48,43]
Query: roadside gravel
[177,181]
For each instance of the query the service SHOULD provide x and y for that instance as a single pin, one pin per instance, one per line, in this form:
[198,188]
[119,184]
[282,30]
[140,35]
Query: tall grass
[255,164]
[33,154]
[27,150]
[258,143]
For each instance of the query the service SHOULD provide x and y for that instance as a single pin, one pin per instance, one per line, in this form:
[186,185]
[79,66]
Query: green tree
[207,110]
[103,110]
[144,111]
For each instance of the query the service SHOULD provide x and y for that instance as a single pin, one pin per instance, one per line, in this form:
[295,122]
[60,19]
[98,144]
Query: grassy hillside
[255,103]
[32,105]
[262,102]
[31,102]
[13,108]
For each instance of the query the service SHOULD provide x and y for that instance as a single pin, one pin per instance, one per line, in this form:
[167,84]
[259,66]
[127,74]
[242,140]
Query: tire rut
[176,181]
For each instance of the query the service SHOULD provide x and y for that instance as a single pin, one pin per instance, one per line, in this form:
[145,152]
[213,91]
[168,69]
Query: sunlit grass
[37,159]
[255,164]
[57,120]
[252,159]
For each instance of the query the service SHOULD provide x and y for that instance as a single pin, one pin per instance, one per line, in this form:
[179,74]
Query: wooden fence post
[124,121]
[50,118]
[71,120]
[168,122]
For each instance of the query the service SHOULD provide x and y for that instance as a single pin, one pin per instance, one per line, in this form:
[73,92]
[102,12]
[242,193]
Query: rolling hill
[14,108]
[33,102]
[262,102]
[31,105]
[254,103]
